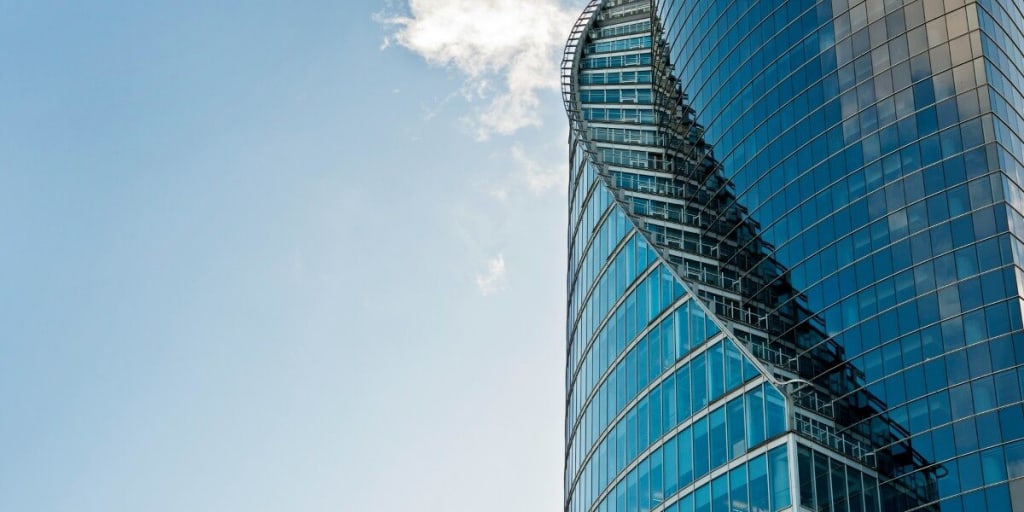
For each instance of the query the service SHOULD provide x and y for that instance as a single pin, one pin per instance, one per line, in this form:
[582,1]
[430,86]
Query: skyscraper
[795,259]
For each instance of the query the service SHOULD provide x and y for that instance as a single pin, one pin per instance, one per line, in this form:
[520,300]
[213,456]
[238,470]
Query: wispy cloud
[537,169]
[493,281]
[508,51]
[539,177]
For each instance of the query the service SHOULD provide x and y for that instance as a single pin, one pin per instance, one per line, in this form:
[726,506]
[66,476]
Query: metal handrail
[573,47]
[837,441]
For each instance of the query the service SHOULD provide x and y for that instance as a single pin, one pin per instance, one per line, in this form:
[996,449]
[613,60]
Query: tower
[794,264]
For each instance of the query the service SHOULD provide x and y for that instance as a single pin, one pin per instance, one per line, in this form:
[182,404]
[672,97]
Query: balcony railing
[838,442]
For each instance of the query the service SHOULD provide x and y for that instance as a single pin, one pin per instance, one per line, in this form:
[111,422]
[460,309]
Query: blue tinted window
[719,443]
[720,494]
[779,478]
[759,492]
[738,499]
[776,412]
[701,456]
[736,443]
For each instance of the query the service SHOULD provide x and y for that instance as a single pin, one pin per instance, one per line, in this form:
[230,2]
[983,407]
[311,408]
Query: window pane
[806,471]
[855,489]
[657,478]
[671,452]
[699,382]
[821,478]
[737,426]
[685,458]
[758,468]
[755,415]
[631,499]
[738,490]
[644,486]
[720,494]
[839,493]
[686,504]
[779,478]
[776,412]
[718,438]
[734,366]
[700,448]
[702,499]
[716,370]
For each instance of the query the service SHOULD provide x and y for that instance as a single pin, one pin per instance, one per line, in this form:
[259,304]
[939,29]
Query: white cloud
[494,280]
[499,192]
[508,51]
[539,177]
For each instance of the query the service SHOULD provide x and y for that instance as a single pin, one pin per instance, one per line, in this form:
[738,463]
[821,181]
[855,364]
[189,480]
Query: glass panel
[630,375]
[657,478]
[631,498]
[620,496]
[631,435]
[697,334]
[720,494]
[839,493]
[758,468]
[805,468]
[719,453]
[682,329]
[686,504]
[870,493]
[855,489]
[738,490]
[737,426]
[716,370]
[643,376]
[620,447]
[671,452]
[668,344]
[683,401]
[734,366]
[685,458]
[779,478]
[755,415]
[993,466]
[643,417]
[700,448]
[821,478]
[749,372]
[699,382]
[657,425]
[644,486]
[776,412]
[702,499]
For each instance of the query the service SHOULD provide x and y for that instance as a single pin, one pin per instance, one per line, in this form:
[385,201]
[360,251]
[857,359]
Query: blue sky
[275,256]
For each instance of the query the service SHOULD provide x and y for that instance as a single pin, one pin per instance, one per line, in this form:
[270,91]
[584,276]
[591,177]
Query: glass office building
[794,273]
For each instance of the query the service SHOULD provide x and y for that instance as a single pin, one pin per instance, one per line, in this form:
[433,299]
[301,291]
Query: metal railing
[839,442]
[772,356]
[812,399]
[570,55]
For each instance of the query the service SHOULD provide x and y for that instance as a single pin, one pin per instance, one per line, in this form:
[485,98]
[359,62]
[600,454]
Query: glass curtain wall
[795,261]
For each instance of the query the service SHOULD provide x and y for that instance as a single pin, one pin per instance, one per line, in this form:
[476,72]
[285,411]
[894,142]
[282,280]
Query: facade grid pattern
[796,262]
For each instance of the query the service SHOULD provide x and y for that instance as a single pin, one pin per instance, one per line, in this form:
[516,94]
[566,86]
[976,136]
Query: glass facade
[794,273]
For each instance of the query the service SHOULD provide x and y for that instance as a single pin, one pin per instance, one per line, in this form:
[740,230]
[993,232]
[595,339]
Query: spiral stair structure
[633,132]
